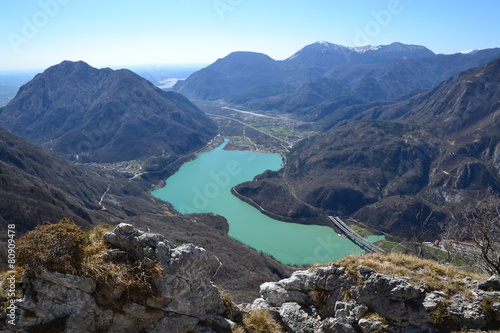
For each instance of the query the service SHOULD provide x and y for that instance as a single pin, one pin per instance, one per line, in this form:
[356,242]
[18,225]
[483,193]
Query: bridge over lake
[354,237]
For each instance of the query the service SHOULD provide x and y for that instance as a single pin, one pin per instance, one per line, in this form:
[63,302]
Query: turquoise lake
[204,186]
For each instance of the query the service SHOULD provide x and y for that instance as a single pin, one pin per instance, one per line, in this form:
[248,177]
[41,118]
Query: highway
[288,143]
[353,236]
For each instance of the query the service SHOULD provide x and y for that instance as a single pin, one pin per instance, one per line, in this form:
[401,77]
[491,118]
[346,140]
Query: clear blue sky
[40,33]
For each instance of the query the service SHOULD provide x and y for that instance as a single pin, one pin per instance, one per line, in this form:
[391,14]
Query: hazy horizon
[37,34]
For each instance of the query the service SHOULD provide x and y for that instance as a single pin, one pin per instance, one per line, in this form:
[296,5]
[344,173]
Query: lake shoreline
[287,219]
[204,185]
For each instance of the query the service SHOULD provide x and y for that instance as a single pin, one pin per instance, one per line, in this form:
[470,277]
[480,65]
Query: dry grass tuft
[376,316]
[320,296]
[433,275]
[6,293]
[65,248]
[133,275]
[259,321]
[230,308]
[52,247]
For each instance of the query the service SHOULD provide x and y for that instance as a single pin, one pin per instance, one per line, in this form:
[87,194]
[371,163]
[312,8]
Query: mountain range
[391,165]
[323,77]
[38,185]
[101,115]
[394,145]
[404,140]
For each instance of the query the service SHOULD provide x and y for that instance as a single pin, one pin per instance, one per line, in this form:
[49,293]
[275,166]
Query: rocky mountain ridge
[100,115]
[391,162]
[325,76]
[334,299]
[343,297]
[331,55]
[186,299]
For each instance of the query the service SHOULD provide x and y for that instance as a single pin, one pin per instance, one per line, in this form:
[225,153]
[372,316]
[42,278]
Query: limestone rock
[392,297]
[135,242]
[365,271]
[56,301]
[187,301]
[433,299]
[369,325]
[69,281]
[466,312]
[277,295]
[330,299]
[176,323]
[333,325]
[496,310]
[493,283]
[298,318]
[321,300]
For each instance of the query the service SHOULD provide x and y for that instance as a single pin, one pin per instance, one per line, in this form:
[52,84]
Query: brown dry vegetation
[248,321]
[52,247]
[259,321]
[426,272]
[65,248]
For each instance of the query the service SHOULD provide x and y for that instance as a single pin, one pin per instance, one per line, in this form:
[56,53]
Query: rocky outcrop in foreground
[185,299]
[350,296]
[332,299]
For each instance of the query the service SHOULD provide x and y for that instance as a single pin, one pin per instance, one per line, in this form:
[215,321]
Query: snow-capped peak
[358,49]
[363,49]
[469,51]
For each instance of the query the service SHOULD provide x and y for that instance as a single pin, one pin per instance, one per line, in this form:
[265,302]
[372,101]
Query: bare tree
[448,231]
[480,226]
[420,231]
[483,228]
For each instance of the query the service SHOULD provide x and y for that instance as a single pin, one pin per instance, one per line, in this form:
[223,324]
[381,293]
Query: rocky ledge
[349,298]
[185,298]
[332,299]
